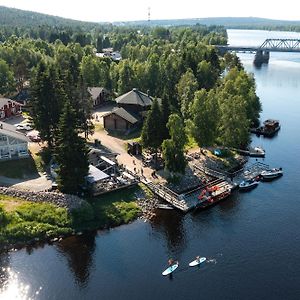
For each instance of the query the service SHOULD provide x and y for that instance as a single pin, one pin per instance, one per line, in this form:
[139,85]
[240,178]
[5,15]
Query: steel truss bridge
[271,45]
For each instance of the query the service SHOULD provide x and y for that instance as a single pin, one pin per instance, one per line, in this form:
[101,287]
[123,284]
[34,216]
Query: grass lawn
[21,168]
[22,221]
[10,204]
[134,136]
[115,208]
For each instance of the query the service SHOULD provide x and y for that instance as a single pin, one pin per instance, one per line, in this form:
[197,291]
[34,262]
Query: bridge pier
[261,57]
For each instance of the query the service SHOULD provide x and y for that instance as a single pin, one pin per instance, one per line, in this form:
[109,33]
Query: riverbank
[25,222]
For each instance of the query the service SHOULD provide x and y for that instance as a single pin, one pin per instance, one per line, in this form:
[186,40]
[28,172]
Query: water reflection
[4,263]
[11,288]
[170,224]
[79,251]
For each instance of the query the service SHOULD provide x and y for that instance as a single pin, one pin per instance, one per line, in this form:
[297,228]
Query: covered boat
[248,184]
[212,195]
[271,174]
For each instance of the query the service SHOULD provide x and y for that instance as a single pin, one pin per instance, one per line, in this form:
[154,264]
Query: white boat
[272,173]
[249,184]
[257,152]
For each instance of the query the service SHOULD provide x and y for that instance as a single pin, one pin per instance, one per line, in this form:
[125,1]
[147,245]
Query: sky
[129,10]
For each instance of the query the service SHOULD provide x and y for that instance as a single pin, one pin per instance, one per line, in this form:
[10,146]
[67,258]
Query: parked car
[26,127]
[34,138]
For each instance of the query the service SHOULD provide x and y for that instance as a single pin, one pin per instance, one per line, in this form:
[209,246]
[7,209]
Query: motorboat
[248,184]
[257,152]
[272,173]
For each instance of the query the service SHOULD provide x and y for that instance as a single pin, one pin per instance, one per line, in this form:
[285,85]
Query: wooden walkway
[167,195]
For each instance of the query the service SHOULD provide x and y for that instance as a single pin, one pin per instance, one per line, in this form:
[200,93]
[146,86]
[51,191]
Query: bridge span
[262,52]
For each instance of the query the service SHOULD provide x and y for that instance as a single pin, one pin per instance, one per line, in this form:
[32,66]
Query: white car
[26,127]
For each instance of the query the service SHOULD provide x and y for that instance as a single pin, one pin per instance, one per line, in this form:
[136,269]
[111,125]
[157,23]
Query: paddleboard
[197,262]
[170,269]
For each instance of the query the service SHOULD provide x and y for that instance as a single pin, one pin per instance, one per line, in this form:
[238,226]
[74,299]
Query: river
[251,240]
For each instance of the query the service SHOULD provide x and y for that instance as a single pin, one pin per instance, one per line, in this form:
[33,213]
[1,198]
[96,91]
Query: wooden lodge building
[120,119]
[130,112]
[99,95]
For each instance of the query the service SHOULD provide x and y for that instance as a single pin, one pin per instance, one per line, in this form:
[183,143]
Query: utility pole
[149,13]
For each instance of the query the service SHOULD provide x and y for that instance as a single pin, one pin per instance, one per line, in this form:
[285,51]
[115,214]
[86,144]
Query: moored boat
[257,152]
[248,184]
[212,195]
[269,128]
[271,174]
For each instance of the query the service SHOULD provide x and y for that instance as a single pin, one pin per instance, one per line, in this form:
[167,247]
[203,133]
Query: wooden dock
[168,195]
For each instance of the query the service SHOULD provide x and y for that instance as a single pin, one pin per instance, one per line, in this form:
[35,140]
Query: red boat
[212,195]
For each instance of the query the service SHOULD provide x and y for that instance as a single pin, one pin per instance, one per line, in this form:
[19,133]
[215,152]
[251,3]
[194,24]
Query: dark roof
[95,91]
[10,130]
[135,97]
[124,114]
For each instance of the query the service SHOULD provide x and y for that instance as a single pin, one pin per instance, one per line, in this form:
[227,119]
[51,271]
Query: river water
[252,240]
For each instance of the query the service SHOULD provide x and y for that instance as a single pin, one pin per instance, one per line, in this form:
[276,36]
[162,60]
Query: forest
[203,95]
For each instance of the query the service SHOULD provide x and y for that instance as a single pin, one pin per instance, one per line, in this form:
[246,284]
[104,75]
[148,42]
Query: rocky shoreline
[70,202]
[147,207]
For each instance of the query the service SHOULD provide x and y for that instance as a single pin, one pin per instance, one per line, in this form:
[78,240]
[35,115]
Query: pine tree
[47,98]
[70,153]
[152,129]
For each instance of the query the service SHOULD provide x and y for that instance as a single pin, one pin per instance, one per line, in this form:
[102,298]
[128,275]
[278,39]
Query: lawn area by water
[22,168]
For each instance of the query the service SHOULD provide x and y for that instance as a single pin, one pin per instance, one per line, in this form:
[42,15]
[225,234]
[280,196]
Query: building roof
[95,175]
[124,114]
[135,97]
[10,130]
[95,91]
[5,101]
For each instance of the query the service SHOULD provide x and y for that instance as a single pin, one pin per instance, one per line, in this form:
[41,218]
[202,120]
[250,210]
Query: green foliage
[33,220]
[70,153]
[152,129]
[3,217]
[83,217]
[186,88]
[46,101]
[205,118]
[173,148]
[25,231]
[6,78]
[43,213]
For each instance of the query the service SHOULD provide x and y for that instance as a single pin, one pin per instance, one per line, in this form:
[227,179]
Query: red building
[9,108]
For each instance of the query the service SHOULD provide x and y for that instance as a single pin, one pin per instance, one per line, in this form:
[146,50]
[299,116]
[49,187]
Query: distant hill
[21,18]
[228,22]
